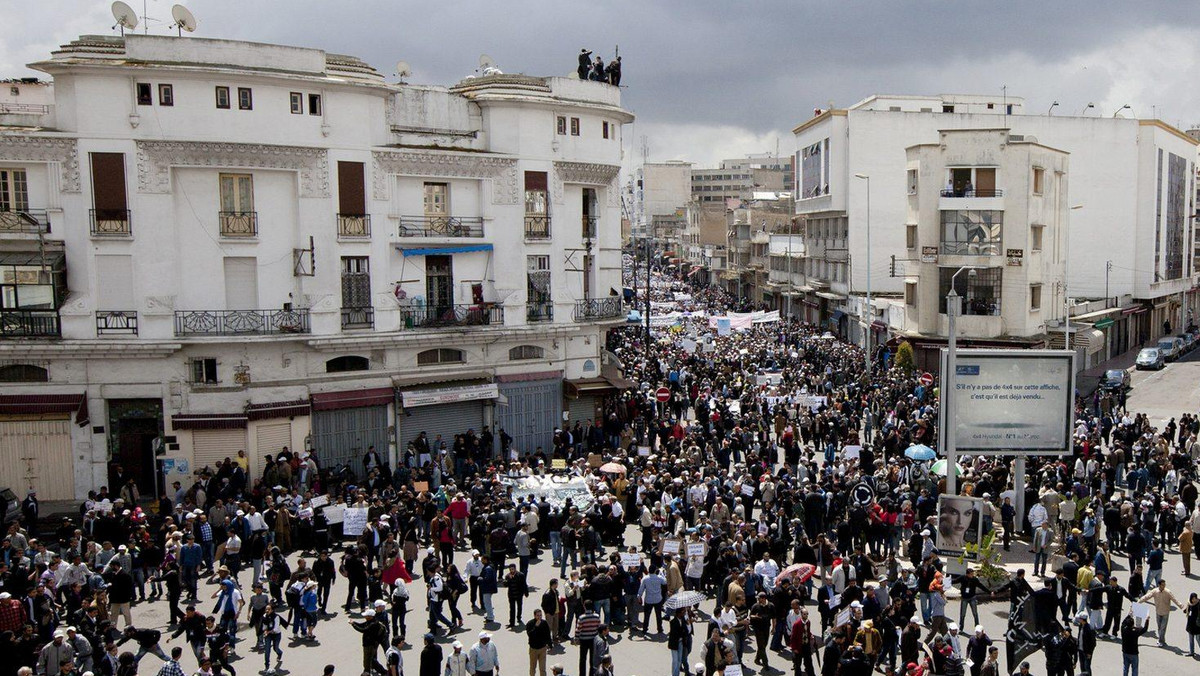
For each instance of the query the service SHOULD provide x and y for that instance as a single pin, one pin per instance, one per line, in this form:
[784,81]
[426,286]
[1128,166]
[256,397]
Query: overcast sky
[720,78]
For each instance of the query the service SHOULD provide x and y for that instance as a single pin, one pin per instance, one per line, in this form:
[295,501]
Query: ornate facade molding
[61,151]
[155,159]
[584,173]
[502,171]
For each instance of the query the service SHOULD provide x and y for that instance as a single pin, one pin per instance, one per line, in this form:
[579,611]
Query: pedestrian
[483,659]
[1130,633]
[431,656]
[147,642]
[518,589]
[169,668]
[1163,600]
[537,632]
[587,627]
[1185,548]
[600,647]
[272,631]
[488,586]
[456,662]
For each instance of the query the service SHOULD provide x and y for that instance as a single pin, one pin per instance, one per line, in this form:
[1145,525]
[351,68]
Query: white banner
[449,395]
[356,521]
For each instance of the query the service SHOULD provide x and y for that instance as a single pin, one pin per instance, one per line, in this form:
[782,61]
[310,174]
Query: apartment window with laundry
[145,94]
[297,100]
[574,126]
[314,104]
[245,98]
[562,126]
[222,95]
[166,95]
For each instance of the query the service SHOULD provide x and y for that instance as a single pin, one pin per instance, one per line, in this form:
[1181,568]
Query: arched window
[347,363]
[526,352]
[23,373]
[441,355]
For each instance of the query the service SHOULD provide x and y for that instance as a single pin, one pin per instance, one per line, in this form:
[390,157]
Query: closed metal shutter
[343,436]
[211,447]
[582,409]
[534,409]
[444,419]
[36,455]
[270,438]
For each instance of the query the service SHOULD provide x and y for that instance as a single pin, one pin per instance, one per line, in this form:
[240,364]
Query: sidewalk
[1088,380]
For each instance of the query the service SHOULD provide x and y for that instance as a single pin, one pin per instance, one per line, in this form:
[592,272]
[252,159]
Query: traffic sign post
[662,394]
[927,379]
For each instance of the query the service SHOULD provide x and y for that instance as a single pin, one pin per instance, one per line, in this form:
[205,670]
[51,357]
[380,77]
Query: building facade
[658,189]
[739,178]
[234,246]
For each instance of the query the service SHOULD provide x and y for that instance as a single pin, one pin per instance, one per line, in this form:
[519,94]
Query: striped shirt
[587,626]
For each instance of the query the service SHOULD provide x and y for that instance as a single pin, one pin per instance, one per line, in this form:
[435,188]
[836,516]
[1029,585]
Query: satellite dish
[485,61]
[403,70]
[184,19]
[125,16]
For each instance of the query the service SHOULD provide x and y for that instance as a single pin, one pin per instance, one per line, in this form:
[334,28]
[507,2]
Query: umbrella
[798,572]
[683,599]
[613,467]
[939,468]
[920,452]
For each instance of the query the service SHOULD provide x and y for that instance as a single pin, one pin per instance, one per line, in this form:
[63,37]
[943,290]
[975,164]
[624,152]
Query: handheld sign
[355,521]
[631,561]
[319,501]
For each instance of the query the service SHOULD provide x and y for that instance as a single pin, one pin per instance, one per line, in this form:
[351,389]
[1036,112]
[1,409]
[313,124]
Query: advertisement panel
[1011,401]
[960,522]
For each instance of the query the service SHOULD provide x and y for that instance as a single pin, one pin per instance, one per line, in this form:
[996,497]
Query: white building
[1133,179]
[240,246]
[958,218]
[659,189]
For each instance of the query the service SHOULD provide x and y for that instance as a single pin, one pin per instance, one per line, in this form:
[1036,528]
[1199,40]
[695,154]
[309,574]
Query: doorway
[439,286]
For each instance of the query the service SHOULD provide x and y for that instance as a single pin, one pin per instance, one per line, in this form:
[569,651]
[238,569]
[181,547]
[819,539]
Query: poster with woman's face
[960,522]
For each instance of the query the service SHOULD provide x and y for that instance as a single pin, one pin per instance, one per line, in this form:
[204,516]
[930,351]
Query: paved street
[1166,394]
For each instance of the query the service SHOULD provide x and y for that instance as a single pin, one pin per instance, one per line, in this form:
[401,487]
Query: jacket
[53,655]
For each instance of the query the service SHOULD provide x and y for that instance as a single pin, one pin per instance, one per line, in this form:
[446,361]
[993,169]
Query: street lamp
[1124,107]
[952,309]
[868,311]
[1066,289]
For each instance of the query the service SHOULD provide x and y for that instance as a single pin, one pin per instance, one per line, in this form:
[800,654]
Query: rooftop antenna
[184,19]
[125,16]
[403,70]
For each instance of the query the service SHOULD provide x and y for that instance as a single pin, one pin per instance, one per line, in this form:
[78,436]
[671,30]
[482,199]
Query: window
[537,205]
[912,181]
[1035,296]
[980,293]
[910,235]
[1036,233]
[203,371]
[245,99]
[357,311]
[347,363]
[23,373]
[562,126]
[145,97]
[526,352]
[539,303]
[166,95]
[14,190]
[237,216]
[972,233]
[110,210]
[441,355]
[947,109]
[910,293]
[437,199]
[604,128]
[574,126]
[297,100]
[314,104]
[222,94]
[1039,178]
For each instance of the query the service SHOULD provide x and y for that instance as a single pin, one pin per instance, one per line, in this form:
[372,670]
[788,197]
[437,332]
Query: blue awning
[443,250]
[837,315]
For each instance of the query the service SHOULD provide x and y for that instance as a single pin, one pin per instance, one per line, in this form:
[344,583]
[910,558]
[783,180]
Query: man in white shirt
[767,569]
[483,660]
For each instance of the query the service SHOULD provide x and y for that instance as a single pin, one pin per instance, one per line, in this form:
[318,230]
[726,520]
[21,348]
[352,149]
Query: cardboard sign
[356,521]
[306,514]
[558,463]
[696,549]
[748,489]
[104,507]
[319,501]
[851,452]
[842,617]
[421,486]
[1141,612]
[335,514]
[631,561]
[670,547]
[732,670]
[644,451]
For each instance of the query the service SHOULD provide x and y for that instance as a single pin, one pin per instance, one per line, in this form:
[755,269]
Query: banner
[1033,620]
[356,521]
[335,514]
[960,522]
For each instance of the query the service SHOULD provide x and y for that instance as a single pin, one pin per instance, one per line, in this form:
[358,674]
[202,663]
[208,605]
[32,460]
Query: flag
[1033,619]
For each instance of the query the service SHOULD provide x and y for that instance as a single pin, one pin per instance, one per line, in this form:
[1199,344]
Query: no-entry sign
[927,379]
[662,394]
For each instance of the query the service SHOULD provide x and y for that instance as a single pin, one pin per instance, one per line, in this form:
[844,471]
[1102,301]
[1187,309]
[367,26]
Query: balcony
[354,226]
[238,223]
[441,226]
[994,192]
[589,227]
[110,222]
[591,309]
[30,324]
[116,323]
[449,316]
[983,199]
[358,317]
[28,222]
[539,312]
[537,226]
[240,322]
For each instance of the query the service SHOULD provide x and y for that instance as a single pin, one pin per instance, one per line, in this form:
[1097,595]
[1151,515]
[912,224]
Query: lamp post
[1066,288]
[949,443]
[868,311]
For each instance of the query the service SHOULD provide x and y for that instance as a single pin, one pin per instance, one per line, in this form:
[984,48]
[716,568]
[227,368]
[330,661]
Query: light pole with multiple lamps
[952,310]
[868,311]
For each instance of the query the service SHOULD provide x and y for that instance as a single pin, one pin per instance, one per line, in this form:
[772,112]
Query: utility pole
[1107,269]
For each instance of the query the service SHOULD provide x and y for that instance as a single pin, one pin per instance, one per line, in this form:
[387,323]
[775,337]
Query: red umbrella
[798,572]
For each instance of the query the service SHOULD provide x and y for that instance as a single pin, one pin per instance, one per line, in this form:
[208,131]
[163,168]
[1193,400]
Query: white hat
[952,626]
[241,513]
[4,596]
[457,645]
[379,604]
[855,604]
[370,612]
[191,516]
[474,552]
[979,627]
[484,634]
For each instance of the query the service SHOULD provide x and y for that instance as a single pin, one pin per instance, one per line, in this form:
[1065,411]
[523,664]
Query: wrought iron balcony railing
[448,316]
[111,222]
[537,226]
[441,226]
[358,317]
[238,223]
[28,221]
[240,322]
[539,312]
[30,324]
[589,309]
[974,192]
[116,323]
[354,225]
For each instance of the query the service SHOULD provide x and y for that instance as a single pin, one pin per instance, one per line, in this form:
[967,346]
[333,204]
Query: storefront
[529,409]
[444,412]
[586,398]
[346,424]
[274,426]
[213,437]
[35,443]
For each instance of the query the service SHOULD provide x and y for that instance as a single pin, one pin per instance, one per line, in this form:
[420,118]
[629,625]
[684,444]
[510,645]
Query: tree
[905,359]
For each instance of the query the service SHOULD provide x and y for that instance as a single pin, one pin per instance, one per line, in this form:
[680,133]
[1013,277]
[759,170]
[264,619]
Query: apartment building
[739,178]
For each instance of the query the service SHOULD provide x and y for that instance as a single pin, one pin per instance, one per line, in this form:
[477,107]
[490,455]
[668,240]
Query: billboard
[959,522]
[1011,401]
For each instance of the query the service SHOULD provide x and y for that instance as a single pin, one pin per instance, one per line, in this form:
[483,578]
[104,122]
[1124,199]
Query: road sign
[662,394]
[927,379]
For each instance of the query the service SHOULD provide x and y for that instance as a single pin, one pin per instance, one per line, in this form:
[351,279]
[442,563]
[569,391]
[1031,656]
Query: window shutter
[108,182]
[352,198]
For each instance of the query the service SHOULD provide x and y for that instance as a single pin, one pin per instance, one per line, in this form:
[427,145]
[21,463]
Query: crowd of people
[765,511]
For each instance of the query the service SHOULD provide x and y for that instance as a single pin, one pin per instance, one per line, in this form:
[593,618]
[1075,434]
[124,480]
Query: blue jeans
[1152,577]
[487,607]
[604,606]
[1039,558]
[676,661]
[556,546]
[926,611]
[562,570]
[272,643]
[206,548]
[1129,661]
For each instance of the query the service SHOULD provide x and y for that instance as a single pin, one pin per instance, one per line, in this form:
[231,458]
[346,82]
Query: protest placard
[355,521]
[696,549]
[631,561]
[335,514]
[104,507]
[670,547]
[747,489]
[1141,612]
[319,501]
[420,486]
[733,670]
[558,463]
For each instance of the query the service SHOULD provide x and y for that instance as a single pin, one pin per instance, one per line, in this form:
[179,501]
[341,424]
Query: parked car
[10,506]
[1189,342]
[1171,348]
[1115,380]
[1150,358]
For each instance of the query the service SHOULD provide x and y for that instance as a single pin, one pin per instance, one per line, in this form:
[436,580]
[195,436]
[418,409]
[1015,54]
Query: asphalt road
[1167,393]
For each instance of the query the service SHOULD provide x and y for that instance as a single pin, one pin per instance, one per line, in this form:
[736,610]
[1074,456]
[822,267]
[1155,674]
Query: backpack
[292,596]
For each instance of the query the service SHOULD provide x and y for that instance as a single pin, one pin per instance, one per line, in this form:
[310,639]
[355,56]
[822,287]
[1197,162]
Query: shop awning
[41,404]
[278,409]
[332,401]
[442,250]
[1091,338]
[208,421]
[837,315]
[602,385]
[830,296]
[878,325]
[1105,323]
[1136,310]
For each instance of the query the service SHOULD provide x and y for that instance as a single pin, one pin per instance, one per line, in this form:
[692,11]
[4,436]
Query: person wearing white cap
[483,659]
[53,654]
[456,662]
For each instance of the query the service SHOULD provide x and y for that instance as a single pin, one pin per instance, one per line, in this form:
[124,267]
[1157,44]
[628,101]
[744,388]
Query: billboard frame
[977,524]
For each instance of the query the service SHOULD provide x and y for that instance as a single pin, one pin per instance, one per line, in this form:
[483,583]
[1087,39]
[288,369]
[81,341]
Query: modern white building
[958,218]
[219,246]
[1133,180]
